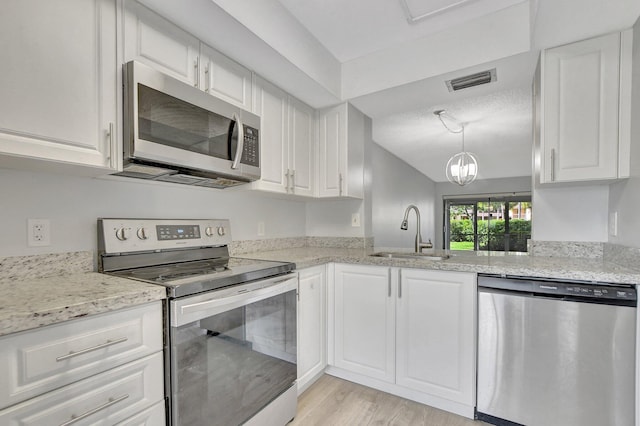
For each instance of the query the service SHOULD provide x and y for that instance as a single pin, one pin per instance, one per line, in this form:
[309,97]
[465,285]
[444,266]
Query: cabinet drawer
[36,361]
[104,399]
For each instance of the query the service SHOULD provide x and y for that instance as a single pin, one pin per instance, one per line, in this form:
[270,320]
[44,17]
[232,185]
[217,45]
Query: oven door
[232,351]
[169,122]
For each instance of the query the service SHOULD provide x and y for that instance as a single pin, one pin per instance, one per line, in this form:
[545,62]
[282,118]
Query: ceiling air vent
[476,79]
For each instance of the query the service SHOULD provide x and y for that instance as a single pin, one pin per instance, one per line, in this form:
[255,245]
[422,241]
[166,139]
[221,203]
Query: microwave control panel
[251,151]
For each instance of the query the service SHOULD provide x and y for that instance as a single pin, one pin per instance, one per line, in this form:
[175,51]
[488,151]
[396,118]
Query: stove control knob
[221,231]
[209,231]
[142,233]
[122,234]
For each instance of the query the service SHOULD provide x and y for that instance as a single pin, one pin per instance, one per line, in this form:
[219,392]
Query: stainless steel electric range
[230,351]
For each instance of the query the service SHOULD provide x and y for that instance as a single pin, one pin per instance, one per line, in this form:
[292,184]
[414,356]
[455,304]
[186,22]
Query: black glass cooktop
[187,278]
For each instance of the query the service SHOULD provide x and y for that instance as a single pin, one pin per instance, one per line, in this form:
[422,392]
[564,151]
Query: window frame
[470,199]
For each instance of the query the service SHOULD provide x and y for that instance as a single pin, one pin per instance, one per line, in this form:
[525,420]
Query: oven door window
[169,121]
[227,367]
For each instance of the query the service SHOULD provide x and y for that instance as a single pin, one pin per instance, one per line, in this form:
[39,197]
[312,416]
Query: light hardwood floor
[333,401]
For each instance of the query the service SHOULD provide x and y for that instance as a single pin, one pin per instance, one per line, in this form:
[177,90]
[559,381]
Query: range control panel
[134,235]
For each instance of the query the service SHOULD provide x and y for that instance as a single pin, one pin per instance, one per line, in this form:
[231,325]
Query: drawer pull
[91,349]
[112,401]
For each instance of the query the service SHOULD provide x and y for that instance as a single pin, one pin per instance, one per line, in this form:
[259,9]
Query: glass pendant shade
[462,168]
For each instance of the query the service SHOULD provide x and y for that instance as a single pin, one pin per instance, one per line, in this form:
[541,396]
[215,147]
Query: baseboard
[430,400]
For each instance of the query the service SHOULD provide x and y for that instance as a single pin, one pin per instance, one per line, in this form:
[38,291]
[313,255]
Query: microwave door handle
[240,146]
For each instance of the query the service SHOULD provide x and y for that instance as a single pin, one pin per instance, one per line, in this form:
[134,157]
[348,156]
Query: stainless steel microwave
[174,132]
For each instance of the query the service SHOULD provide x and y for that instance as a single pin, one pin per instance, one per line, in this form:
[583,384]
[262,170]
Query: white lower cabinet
[312,320]
[105,399]
[101,369]
[364,334]
[435,334]
[409,332]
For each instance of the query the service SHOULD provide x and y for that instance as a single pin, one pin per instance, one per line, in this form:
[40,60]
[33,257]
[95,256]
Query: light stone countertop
[35,302]
[594,270]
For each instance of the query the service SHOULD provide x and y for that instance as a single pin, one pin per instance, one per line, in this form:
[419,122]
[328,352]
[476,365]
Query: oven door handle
[185,312]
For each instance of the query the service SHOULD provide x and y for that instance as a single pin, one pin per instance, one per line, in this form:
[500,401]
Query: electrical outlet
[260,229]
[355,220]
[38,232]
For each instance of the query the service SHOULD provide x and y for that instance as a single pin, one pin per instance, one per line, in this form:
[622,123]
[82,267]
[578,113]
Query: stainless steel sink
[407,255]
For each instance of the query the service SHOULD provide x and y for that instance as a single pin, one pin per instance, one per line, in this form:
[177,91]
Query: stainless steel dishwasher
[555,353]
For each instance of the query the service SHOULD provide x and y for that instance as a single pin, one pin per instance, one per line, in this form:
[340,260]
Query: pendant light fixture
[462,168]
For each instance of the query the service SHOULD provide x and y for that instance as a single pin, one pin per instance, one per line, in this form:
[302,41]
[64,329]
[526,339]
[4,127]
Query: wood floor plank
[335,402]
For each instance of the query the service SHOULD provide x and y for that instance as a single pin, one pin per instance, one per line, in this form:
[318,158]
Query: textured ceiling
[497,130]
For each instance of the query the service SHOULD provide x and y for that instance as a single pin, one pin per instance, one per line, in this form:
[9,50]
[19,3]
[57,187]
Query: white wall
[570,214]
[486,186]
[624,197]
[332,218]
[395,185]
[74,203]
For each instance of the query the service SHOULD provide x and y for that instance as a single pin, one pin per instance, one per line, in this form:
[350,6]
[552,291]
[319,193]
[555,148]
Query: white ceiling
[367,52]
[350,29]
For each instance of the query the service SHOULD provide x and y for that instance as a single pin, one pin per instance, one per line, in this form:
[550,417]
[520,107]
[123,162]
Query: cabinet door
[332,140]
[59,82]
[271,104]
[365,321]
[225,78]
[436,334]
[150,39]
[301,147]
[312,321]
[581,83]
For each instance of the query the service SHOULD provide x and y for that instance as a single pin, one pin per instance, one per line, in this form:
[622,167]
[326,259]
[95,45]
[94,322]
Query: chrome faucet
[405,225]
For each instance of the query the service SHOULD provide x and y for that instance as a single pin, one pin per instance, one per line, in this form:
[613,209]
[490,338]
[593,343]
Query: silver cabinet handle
[91,349]
[207,83]
[293,181]
[196,71]
[553,164]
[340,184]
[389,289]
[288,180]
[399,289]
[240,147]
[106,405]
[112,147]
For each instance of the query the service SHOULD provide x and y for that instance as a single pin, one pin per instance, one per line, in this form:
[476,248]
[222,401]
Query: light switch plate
[355,220]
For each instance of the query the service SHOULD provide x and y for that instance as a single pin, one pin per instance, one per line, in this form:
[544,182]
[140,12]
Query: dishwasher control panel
[588,292]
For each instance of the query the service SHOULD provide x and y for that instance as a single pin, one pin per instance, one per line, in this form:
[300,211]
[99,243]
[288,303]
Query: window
[494,223]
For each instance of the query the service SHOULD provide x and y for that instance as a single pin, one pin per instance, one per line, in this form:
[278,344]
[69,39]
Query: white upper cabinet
[151,39]
[224,78]
[582,111]
[59,85]
[154,41]
[302,143]
[287,141]
[341,134]
[271,104]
